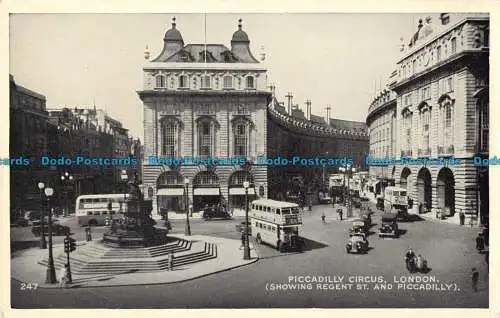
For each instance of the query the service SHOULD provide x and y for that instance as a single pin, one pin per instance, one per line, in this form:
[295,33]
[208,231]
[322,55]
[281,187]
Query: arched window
[250,82]
[183,81]
[453,45]
[228,82]
[170,138]
[206,178]
[160,81]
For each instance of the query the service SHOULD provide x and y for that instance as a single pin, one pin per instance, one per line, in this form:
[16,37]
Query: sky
[76,60]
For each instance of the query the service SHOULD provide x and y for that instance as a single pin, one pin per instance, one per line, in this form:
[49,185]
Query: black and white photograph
[245,160]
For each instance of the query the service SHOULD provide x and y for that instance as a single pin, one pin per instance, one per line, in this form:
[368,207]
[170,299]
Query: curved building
[381,122]
[293,134]
[442,116]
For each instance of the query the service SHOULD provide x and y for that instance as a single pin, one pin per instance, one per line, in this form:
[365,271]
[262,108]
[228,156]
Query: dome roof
[240,35]
[173,34]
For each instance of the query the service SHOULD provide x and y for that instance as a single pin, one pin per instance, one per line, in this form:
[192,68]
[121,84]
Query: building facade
[294,133]
[442,112]
[203,101]
[381,122]
[28,140]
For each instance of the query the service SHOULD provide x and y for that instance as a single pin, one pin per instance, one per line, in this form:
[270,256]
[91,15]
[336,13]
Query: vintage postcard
[249,160]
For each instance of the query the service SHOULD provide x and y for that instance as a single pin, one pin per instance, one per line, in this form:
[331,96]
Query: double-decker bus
[93,209]
[396,200]
[336,186]
[276,223]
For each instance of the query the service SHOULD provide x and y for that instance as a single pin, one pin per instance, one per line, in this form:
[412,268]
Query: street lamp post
[51,271]
[124,178]
[43,243]
[246,248]
[187,229]
[66,177]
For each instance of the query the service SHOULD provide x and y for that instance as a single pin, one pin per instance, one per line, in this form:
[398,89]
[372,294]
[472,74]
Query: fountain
[135,228]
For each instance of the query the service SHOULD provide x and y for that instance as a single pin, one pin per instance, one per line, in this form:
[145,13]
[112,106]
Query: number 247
[29,286]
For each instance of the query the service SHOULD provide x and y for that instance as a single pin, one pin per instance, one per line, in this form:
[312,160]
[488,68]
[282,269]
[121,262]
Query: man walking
[475,278]
[462,218]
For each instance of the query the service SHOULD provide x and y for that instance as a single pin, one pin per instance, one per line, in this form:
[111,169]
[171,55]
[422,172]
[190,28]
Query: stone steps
[195,253]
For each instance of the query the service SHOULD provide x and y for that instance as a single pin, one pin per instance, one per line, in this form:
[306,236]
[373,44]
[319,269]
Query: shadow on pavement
[413,218]
[310,245]
[22,245]
[402,232]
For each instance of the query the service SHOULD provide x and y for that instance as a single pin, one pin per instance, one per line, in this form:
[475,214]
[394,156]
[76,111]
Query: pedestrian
[63,276]
[462,218]
[323,217]
[341,212]
[480,242]
[242,239]
[475,278]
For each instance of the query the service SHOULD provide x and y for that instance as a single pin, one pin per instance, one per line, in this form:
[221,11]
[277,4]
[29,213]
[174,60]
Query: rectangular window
[453,45]
[449,85]
[206,82]
[228,82]
[240,140]
[484,127]
[438,53]
[205,139]
[414,66]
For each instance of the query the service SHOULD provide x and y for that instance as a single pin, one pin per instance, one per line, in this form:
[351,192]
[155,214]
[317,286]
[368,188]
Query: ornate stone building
[309,136]
[381,122]
[442,111]
[28,139]
[204,101]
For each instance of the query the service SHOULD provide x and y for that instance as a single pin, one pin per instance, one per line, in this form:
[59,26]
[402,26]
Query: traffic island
[105,267]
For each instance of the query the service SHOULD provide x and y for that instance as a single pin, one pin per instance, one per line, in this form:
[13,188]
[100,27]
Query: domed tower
[240,45]
[172,43]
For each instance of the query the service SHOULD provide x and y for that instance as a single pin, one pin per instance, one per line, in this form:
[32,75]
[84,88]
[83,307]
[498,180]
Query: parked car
[30,216]
[57,229]
[19,222]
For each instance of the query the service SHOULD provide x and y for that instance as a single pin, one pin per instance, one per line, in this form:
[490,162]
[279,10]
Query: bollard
[171,261]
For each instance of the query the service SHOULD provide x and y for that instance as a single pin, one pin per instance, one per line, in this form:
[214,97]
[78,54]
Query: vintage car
[57,229]
[366,216]
[389,225]
[357,244]
[215,212]
[358,226]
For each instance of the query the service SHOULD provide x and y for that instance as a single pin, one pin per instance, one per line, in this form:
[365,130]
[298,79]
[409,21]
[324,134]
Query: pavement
[449,249]
[25,267]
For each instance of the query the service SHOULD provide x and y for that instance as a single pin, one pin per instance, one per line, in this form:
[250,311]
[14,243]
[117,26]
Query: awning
[241,191]
[206,191]
[171,191]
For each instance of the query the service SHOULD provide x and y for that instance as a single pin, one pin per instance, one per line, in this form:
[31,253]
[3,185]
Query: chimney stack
[289,96]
